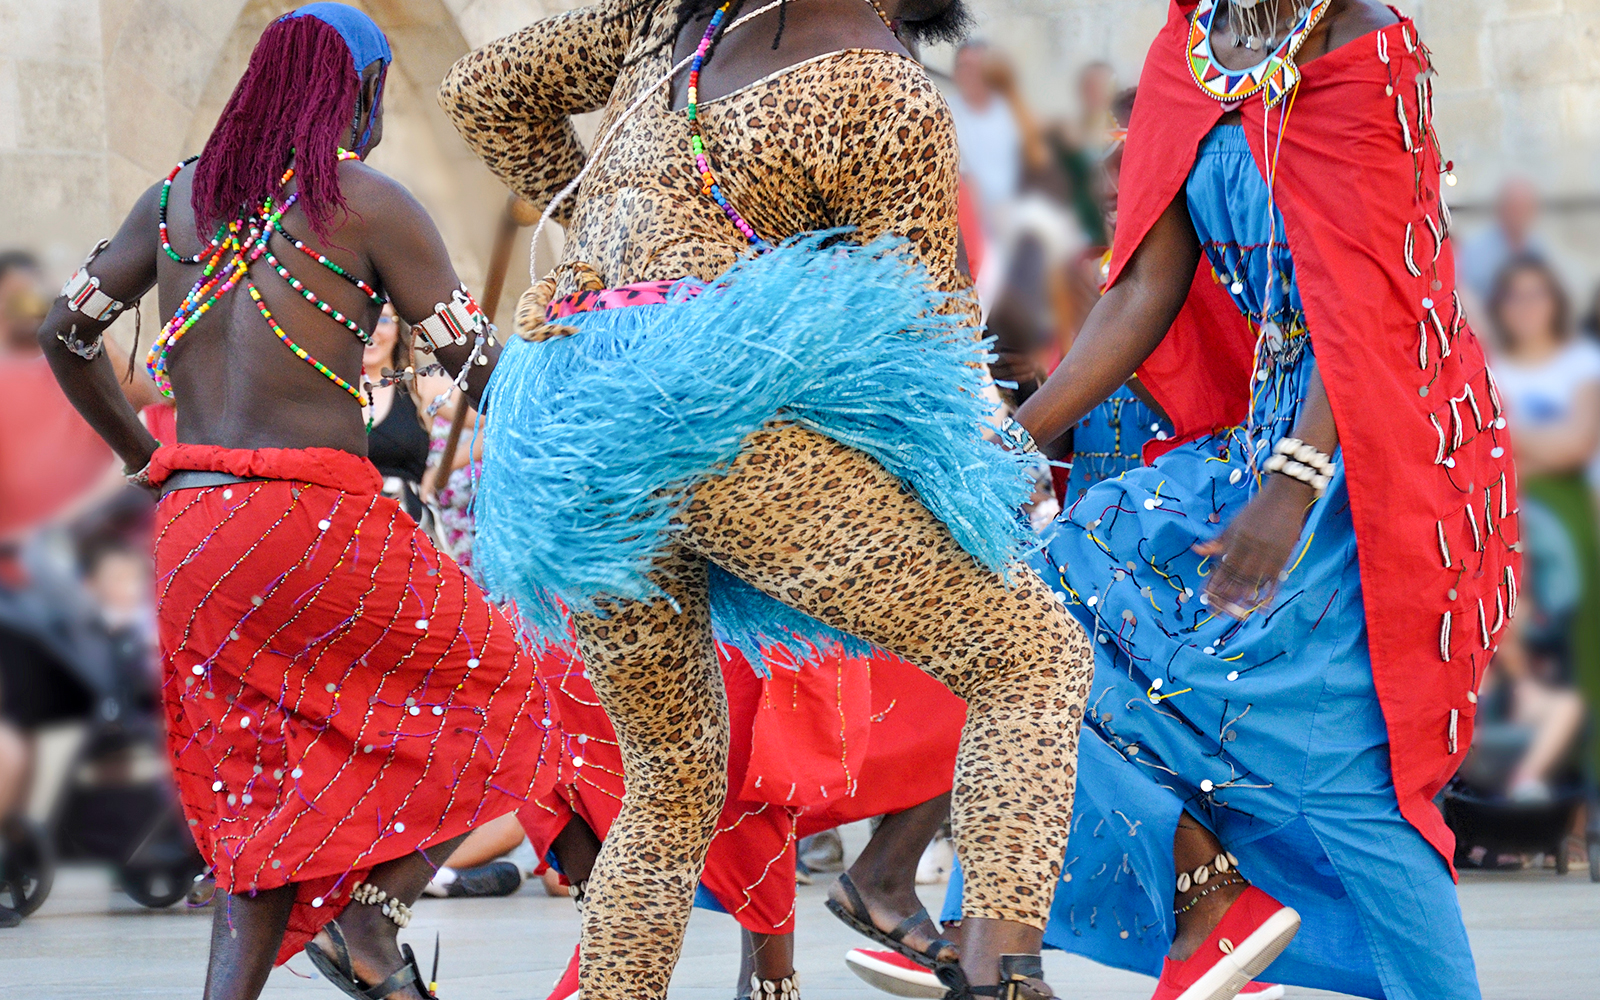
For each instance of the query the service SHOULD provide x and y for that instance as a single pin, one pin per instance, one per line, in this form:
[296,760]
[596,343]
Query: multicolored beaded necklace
[708,178]
[243,242]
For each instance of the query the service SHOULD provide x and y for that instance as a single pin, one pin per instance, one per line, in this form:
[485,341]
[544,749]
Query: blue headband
[365,39]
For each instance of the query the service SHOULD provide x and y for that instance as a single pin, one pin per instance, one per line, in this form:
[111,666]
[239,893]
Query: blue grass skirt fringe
[594,441]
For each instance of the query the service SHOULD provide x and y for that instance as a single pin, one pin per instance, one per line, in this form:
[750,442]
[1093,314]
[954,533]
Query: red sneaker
[1253,932]
[1261,991]
[893,973]
[567,985]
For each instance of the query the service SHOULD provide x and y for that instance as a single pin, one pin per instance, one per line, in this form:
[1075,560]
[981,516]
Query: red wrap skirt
[840,740]
[338,694]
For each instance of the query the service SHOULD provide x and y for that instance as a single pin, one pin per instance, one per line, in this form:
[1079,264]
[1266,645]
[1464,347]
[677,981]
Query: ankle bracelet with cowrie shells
[370,895]
[787,988]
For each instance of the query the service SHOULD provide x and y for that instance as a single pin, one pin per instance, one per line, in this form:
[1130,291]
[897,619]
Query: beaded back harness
[227,260]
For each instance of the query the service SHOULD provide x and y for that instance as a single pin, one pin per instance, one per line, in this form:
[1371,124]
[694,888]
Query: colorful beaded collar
[1276,74]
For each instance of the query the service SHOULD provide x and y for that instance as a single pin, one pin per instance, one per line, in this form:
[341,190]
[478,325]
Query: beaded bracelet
[1294,458]
[1017,437]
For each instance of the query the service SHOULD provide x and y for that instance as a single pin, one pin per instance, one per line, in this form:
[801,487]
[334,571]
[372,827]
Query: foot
[1197,924]
[888,909]
[373,949]
[1251,934]
[9,917]
[497,878]
[822,852]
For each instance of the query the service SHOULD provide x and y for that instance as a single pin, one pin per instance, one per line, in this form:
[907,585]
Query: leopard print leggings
[828,531]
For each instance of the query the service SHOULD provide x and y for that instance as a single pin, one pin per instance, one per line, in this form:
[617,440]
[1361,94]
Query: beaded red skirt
[839,740]
[338,694]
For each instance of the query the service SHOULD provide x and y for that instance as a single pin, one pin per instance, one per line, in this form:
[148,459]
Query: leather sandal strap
[936,948]
[402,977]
[857,904]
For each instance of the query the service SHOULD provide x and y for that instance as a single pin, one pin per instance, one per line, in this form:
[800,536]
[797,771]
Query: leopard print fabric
[827,530]
[855,138]
[859,138]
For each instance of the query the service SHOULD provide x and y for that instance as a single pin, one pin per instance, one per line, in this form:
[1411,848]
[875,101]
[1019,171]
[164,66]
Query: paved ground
[1537,937]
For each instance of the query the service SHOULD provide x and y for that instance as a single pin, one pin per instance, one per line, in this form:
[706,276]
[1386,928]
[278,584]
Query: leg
[246,931]
[1192,846]
[886,872]
[576,848]
[654,670]
[372,937]
[829,532]
[494,839]
[764,956]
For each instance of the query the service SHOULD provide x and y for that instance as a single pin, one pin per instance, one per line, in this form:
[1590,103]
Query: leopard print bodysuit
[856,138]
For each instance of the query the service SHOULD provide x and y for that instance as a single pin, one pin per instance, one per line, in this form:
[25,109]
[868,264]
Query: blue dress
[1269,730]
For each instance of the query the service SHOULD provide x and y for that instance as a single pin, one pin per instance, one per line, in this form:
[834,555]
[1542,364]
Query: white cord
[593,155]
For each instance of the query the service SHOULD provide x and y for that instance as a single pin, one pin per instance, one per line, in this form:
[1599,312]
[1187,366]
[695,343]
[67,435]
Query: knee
[679,780]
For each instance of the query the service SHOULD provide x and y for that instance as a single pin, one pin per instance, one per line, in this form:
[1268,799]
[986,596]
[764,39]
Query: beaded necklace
[242,243]
[709,185]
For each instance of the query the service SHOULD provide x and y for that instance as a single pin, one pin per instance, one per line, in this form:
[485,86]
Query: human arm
[413,267]
[897,171]
[1250,554]
[1123,329]
[126,269]
[512,100]
[1566,445]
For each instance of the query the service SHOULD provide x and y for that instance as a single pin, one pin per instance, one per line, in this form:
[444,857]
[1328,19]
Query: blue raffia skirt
[594,441]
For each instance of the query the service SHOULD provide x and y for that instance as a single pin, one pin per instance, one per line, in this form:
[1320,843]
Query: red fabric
[1348,188]
[48,456]
[338,694]
[970,227]
[161,420]
[909,723]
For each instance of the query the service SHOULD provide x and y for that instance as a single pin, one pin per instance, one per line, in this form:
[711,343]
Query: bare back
[235,383]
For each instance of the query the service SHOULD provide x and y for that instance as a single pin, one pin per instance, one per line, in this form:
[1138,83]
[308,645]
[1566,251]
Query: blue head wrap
[361,33]
[366,40]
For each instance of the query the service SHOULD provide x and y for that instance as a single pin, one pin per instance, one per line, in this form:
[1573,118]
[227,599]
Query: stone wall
[98,98]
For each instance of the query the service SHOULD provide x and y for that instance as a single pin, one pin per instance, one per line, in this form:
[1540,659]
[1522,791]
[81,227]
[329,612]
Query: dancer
[342,703]
[700,417]
[840,739]
[1294,606]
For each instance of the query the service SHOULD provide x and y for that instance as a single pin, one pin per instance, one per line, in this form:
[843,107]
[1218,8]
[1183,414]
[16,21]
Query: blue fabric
[1107,442]
[1268,730]
[595,439]
[366,40]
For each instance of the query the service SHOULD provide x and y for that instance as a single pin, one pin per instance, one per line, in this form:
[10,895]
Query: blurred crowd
[81,751]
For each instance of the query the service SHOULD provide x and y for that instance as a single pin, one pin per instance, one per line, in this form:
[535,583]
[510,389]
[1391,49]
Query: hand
[1250,554]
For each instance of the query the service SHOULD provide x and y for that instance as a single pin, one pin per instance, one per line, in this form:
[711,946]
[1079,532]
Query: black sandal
[1018,973]
[338,970]
[860,921]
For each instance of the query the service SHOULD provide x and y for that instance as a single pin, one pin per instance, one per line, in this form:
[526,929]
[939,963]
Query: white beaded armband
[1294,458]
[452,322]
[83,294]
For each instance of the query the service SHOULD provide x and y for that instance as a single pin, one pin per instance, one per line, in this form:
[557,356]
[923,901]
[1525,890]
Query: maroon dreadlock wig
[296,101]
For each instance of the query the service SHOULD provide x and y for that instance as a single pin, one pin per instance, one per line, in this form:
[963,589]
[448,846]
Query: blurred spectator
[21,304]
[1080,147]
[987,131]
[1511,236]
[1551,384]
[397,435]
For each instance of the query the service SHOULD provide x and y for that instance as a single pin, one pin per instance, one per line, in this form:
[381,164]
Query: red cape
[1432,491]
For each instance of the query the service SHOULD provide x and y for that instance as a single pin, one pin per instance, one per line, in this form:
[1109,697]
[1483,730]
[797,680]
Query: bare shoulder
[1350,19]
[380,206]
